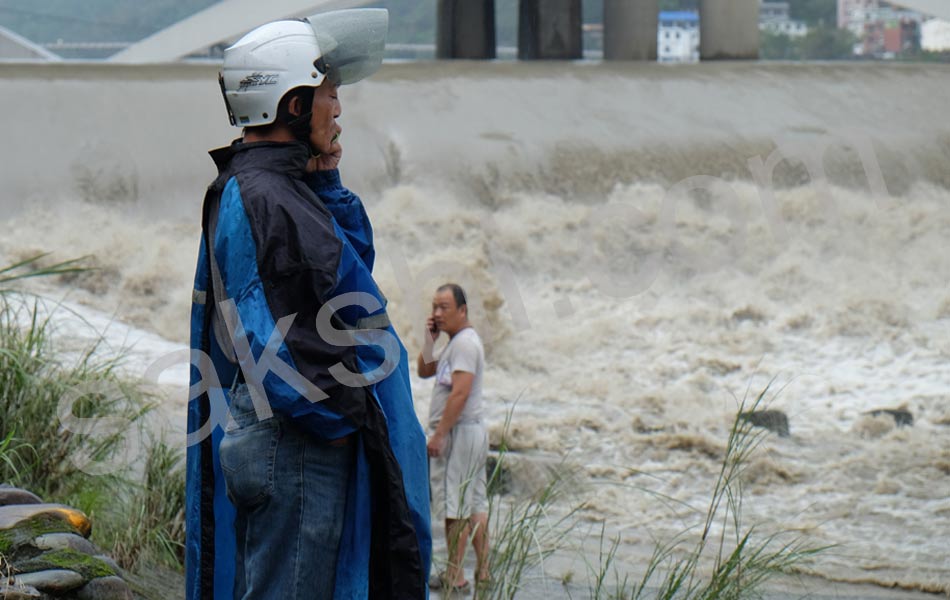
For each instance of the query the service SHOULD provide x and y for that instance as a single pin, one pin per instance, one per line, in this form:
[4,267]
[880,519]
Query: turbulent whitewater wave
[638,257]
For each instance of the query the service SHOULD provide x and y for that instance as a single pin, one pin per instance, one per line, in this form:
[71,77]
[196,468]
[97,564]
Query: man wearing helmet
[317,487]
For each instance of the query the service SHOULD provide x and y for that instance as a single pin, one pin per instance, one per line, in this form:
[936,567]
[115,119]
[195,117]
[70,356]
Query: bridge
[547,29]
[551,29]
[226,20]
[729,29]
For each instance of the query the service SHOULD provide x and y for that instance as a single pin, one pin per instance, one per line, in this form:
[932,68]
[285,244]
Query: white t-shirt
[464,352]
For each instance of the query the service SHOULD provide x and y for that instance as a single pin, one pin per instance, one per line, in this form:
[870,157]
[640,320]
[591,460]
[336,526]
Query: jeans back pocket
[247,454]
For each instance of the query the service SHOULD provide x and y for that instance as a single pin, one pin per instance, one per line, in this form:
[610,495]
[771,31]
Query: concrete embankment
[117,132]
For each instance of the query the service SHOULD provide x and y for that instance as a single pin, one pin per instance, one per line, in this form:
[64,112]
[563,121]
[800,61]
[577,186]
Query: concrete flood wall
[119,132]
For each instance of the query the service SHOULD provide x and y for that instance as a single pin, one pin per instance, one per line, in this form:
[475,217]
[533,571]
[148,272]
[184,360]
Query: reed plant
[732,564]
[10,454]
[35,266]
[67,413]
[148,524]
[72,429]
[524,530]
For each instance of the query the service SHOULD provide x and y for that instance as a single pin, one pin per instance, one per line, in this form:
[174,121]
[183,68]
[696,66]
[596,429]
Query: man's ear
[293,107]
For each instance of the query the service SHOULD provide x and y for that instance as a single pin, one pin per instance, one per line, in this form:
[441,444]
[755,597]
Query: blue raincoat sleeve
[392,392]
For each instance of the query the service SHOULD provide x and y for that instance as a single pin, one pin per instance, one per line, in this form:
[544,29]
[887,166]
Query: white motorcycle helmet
[343,46]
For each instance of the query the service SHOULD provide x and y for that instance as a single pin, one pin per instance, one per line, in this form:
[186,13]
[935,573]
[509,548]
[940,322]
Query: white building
[774,17]
[935,35]
[678,36]
[789,28]
[853,14]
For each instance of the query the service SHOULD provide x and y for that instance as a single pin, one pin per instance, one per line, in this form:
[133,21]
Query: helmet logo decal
[258,79]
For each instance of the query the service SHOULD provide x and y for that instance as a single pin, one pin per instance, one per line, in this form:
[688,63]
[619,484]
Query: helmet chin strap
[300,128]
[300,125]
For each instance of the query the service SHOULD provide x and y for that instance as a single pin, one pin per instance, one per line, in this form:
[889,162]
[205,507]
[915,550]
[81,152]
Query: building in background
[888,38]
[678,36]
[883,30]
[853,14]
[935,35]
[774,17]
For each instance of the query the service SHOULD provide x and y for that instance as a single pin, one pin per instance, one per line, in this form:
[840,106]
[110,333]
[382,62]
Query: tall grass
[33,267]
[524,531]
[731,565]
[71,430]
[10,451]
[148,524]
[50,407]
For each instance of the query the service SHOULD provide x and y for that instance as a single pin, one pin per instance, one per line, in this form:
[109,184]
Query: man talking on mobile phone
[458,438]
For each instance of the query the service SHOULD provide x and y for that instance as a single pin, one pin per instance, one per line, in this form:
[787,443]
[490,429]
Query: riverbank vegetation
[72,430]
[723,557]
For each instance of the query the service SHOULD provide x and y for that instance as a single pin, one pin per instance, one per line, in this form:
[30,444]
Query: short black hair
[299,124]
[457,293]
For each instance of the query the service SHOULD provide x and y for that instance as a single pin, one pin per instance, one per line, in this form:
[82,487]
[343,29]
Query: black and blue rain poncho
[287,243]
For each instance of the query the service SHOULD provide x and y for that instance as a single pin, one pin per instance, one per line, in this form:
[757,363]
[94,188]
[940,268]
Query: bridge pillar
[549,29]
[728,29]
[630,29]
[465,29]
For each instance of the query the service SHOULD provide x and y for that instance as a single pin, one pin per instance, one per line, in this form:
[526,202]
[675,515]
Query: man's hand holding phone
[427,355]
[327,161]
[432,328]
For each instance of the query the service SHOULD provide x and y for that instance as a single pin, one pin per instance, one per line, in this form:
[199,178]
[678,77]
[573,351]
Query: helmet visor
[351,43]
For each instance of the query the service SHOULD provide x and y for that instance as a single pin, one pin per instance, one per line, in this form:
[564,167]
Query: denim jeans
[290,495]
